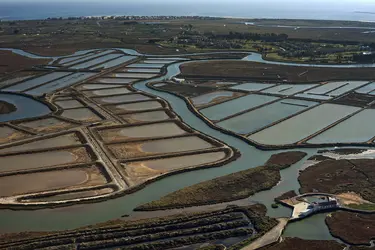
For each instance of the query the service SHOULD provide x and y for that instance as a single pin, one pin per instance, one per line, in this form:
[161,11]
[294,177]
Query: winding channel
[86,214]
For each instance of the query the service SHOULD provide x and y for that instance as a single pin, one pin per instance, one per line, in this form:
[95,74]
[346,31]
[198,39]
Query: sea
[298,9]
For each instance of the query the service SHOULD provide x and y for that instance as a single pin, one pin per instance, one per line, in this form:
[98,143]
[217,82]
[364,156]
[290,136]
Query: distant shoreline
[41,10]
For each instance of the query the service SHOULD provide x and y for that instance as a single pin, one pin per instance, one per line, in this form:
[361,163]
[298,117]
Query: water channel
[86,214]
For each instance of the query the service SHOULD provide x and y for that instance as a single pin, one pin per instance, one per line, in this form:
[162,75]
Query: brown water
[113,91]
[68,104]
[72,196]
[8,134]
[142,131]
[145,117]
[44,181]
[140,106]
[176,145]
[81,114]
[164,146]
[123,98]
[36,160]
[47,125]
[181,162]
[59,141]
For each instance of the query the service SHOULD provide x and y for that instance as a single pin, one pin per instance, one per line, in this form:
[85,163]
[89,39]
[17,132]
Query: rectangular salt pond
[115,62]
[132,75]
[358,128]
[89,57]
[325,88]
[209,97]
[159,61]
[59,141]
[116,80]
[152,116]
[366,89]
[160,146]
[68,104]
[317,97]
[259,118]
[36,81]
[252,86]
[41,160]
[139,106]
[75,59]
[220,111]
[15,80]
[180,162]
[122,98]
[61,83]
[95,61]
[81,114]
[299,127]
[91,86]
[157,130]
[104,92]
[141,70]
[145,65]
[288,89]
[346,88]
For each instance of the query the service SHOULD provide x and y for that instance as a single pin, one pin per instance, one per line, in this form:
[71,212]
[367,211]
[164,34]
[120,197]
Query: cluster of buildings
[135,18]
[314,207]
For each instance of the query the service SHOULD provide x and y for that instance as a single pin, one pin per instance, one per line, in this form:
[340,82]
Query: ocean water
[15,10]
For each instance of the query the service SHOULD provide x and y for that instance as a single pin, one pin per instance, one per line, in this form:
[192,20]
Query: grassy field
[10,62]
[267,72]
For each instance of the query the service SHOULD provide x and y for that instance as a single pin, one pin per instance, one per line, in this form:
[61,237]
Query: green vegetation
[227,188]
[274,205]
[298,244]
[363,206]
[361,227]
[238,70]
[223,189]
[159,233]
[330,45]
[340,176]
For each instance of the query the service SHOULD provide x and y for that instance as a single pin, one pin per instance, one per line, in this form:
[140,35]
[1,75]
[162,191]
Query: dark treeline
[360,58]
[272,37]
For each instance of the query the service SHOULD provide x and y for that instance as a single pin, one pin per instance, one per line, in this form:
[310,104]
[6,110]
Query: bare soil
[353,228]
[355,99]
[267,72]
